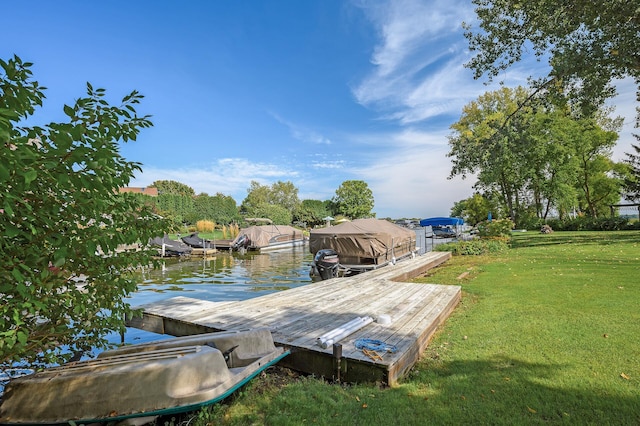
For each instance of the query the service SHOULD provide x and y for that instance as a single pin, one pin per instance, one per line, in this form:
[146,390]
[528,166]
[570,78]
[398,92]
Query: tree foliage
[259,197]
[632,181]
[179,208]
[354,199]
[597,180]
[219,208]
[535,155]
[284,194]
[61,217]
[174,188]
[588,43]
[278,214]
[486,143]
[312,212]
[475,209]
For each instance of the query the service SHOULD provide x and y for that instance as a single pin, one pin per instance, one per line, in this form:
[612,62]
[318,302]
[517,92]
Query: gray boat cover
[364,241]
[265,235]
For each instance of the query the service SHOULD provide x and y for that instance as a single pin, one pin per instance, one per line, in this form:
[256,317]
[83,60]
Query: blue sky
[314,92]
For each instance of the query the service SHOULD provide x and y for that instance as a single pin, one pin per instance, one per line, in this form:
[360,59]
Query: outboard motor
[243,242]
[326,262]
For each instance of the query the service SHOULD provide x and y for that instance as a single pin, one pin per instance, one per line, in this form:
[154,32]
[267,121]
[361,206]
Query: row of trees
[533,158]
[278,202]
[548,148]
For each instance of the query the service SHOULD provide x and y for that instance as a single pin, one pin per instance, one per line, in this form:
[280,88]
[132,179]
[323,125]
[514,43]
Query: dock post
[337,356]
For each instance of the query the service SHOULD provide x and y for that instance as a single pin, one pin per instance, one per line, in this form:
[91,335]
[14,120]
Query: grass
[215,235]
[547,332]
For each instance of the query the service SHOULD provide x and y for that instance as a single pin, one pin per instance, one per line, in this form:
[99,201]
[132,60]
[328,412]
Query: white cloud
[408,33]
[419,71]
[411,179]
[336,165]
[230,176]
[302,133]
[417,74]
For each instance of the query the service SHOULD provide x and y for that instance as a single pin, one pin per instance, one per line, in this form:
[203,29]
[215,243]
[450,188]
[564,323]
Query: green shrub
[584,223]
[495,228]
[475,247]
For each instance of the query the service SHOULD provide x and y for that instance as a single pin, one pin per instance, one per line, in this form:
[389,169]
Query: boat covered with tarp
[158,378]
[268,237]
[196,241]
[361,245]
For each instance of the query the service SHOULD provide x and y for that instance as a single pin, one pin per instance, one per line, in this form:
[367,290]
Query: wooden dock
[203,252]
[297,317]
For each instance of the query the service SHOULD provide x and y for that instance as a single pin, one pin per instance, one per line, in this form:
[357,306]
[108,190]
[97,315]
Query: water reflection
[225,276]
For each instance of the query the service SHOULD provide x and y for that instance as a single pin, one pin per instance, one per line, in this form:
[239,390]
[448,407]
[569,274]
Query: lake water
[223,277]
[226,276]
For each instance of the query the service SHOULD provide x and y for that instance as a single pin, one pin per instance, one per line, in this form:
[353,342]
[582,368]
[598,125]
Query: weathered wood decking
[297,317]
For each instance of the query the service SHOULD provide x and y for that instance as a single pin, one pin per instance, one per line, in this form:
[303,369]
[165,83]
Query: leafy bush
[495,228]
[59,205]
[592,224]
[529,221]
[475,247]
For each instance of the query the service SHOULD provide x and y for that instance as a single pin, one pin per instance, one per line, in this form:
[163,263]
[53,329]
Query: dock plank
[298,316]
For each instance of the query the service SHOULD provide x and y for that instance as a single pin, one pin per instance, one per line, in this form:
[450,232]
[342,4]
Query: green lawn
[547,332]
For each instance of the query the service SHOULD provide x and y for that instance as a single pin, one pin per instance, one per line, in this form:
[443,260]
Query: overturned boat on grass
[357,246]
[157,378]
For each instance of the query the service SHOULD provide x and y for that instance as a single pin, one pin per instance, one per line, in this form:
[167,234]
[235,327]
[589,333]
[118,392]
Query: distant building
[147,191]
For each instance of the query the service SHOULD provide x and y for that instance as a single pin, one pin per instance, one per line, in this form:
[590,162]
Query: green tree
[174,200]
[256,195]
[551,162]
[632,181]
[485,142]
[278,214]
[175,206]
[537,156]
[312,212]
[282,194]
[597,180]
[61,217]
[354,199]
[226,209]
[173,187]
[474,209]
[219,208]
[588,43]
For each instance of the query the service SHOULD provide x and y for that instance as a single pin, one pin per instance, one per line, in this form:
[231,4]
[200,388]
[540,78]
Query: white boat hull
[165,377]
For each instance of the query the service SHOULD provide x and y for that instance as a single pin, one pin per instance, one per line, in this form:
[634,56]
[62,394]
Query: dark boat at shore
[170,248]
[196,241]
